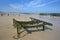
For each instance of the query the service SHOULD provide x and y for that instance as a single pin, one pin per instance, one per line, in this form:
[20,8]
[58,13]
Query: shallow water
[54,20]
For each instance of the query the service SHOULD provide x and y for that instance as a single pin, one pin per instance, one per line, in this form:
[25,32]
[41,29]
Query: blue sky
[32,6]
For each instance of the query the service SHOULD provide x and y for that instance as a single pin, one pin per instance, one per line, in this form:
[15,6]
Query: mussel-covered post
[43,26]
[18,27]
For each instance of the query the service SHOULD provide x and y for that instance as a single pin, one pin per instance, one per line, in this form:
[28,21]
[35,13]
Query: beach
[7,30]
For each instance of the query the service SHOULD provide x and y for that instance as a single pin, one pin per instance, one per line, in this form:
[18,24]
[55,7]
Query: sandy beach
[7,31]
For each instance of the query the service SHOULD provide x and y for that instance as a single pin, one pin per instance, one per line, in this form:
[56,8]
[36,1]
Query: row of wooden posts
[21,24]
[7,14]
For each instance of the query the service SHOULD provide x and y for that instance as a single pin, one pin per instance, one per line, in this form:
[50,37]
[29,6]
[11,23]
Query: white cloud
[17,6]
[39,3]
[31,4]
[42,5]
[34,2]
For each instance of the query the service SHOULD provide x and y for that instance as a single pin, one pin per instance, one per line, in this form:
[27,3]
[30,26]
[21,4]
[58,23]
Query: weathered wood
[27,24]
[1,14]
[43,27]
[34,23]
[17,25]
[45,23]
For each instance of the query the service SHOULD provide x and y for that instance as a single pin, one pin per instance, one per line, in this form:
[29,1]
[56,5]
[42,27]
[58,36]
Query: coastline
[7,31]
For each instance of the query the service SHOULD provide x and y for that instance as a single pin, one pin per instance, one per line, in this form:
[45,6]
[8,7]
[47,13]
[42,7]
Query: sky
[30,6]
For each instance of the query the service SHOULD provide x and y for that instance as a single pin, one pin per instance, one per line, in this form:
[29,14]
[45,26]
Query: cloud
[34,2]
[42,5]
[17,6]
[39,3]
[31,4]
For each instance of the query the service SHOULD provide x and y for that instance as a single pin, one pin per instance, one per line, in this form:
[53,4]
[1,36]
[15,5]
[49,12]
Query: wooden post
[8,14]
[43,27]
[18,33]
[1,14]
[17,29]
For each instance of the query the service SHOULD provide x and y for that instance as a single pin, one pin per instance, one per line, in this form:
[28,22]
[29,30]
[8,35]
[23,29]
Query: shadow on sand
[30,31]
[38,30]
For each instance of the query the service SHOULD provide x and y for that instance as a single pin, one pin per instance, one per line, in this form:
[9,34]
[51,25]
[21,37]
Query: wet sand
[7,31]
